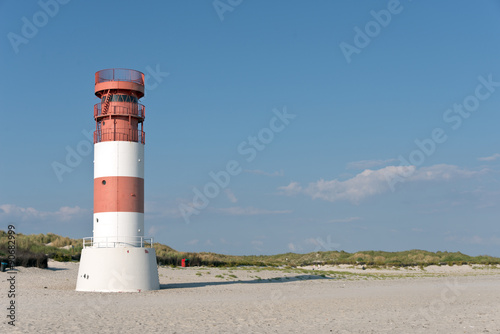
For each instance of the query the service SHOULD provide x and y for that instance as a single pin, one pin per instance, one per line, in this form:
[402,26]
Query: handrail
[119,135]
[136,110]
[105,242]
[119,74]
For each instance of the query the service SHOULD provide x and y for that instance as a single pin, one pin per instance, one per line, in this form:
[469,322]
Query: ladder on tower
[106,103]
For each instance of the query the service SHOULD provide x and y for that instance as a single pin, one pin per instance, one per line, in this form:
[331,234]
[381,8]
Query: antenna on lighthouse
[118,257]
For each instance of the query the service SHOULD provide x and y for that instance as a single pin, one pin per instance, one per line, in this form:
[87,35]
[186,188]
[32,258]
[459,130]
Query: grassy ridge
[43,244]
[49,245]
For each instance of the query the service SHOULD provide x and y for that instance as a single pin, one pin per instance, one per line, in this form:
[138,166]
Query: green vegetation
[367,258]
[34,250]
[44,243]
[50,245]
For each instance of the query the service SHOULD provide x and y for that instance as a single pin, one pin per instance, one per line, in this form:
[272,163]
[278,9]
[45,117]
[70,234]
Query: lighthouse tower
[118,257]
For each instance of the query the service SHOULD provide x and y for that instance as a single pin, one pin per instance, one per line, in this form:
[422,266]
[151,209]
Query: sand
[459,299]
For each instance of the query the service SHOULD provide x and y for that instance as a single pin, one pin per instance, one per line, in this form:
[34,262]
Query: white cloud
[490,158]
[442,172]
[192,242]
[230,196]
[261,172]
[364,164]
[365,184]
[291,247]
[292,189]
[65,213]
[344,220]
[373,182]
[248,211]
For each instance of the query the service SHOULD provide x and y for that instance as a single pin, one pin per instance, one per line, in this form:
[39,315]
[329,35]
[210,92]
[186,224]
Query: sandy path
[209,300]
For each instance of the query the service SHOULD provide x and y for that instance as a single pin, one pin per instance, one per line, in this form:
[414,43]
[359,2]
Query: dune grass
[50,244]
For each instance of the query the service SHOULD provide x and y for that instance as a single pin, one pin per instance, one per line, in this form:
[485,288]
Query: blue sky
[361,82]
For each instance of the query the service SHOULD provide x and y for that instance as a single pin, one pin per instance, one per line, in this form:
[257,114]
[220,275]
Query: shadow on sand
[254,281]
[55,269]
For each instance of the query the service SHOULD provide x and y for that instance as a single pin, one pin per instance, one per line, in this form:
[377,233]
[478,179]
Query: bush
[62,258]
[28,259]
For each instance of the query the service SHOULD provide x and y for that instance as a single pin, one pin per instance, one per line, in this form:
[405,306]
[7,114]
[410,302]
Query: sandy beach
[341,299]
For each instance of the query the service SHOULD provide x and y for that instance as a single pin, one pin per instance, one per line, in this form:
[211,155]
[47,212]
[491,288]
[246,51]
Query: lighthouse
[118,258]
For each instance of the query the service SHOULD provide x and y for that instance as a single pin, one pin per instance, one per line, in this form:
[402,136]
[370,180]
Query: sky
[271,127]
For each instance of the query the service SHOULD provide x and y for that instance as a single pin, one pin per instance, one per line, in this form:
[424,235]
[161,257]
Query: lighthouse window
[103,182]
[120,98]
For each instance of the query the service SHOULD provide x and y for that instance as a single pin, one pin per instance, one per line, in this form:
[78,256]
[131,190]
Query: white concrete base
[121,269]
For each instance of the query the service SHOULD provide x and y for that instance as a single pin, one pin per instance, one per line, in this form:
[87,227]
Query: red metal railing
[119,74]
[138,110]
[119,135]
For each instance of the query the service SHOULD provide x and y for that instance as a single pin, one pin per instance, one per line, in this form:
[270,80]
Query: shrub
[28,259]
[62,258]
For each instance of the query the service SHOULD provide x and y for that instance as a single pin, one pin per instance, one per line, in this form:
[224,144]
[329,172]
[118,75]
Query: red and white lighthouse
[118,257]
